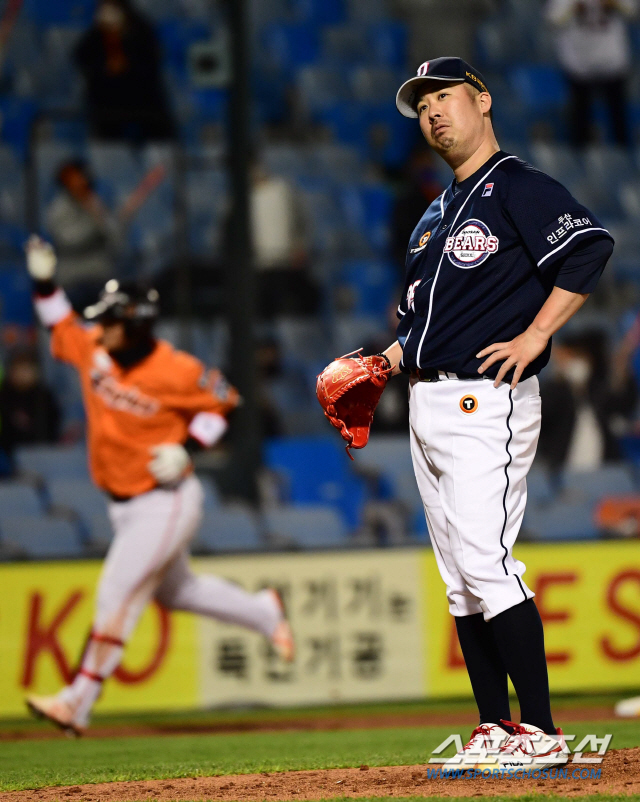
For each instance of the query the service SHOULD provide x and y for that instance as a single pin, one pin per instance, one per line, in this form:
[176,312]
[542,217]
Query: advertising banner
[370,626]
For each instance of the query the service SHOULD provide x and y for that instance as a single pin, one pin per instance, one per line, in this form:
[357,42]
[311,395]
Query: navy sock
[487,671]
[520,638]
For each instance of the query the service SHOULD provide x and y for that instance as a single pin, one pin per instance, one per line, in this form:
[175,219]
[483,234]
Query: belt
[436,375]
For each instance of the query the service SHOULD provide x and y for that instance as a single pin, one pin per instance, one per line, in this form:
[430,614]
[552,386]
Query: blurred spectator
[421,187]
[583,404]
[87,235]
[28,409]
[279,245]
[120,60]
[84,233]
[595,53]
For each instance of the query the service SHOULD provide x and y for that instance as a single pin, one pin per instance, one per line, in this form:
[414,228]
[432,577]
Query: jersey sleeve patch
[560,227]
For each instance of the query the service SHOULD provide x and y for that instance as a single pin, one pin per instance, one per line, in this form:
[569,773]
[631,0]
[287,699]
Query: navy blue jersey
[484,259]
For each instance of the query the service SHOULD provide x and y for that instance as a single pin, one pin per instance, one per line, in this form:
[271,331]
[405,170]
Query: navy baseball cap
[446,69]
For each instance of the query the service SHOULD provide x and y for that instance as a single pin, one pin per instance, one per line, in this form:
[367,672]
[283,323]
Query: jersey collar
[470,182]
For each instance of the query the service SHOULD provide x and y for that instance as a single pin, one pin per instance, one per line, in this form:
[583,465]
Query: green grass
[33,764]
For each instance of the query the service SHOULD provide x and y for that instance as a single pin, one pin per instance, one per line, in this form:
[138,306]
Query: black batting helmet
[129,301]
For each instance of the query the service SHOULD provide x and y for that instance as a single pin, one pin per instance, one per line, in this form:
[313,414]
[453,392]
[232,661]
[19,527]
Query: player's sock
[487,671]
[224,600]
[520,637]
[81,696]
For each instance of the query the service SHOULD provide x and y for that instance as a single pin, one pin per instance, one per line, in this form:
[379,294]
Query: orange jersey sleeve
[71,341]
[194,388]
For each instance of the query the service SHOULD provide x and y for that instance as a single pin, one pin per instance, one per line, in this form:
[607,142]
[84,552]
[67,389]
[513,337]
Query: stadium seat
[559,521]
[540,87]
[319,87]
[367,208]
[291,44]
[79,495]
[17,498]
[558,161]
[229,528]
[354,331]
[608,164]
[212,499]
[307,526]
[41,537]
[371,284]
[345,45]
[53,462]
[15,290]
[591,486]
[387,42]
[320,12]
[61,12]
[316,470]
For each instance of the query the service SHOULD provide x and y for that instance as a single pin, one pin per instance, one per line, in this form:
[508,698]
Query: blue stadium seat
[319,87]
[371,283]
[17,116]
[229,528]
[345,45]
[368,208]
[59,12]
[320,12]
[560,521]
[316,471]
[53,462]
[291,44]
[307,526]
[540,87]
[16,498]
[388,43]
[41,537]
[15,288]
[79,495]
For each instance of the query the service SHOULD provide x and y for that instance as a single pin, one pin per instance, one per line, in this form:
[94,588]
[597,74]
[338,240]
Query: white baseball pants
[472,446]
[149,558]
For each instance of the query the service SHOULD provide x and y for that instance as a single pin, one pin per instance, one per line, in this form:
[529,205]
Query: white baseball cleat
[528,747]
[485,740]
[55,710]
[628,708]
[282,638]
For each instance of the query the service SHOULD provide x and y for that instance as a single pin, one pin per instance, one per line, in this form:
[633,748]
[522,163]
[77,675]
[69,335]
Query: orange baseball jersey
[162,399]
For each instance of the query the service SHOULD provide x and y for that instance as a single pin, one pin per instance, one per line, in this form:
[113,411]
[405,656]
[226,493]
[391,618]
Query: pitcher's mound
[620,774]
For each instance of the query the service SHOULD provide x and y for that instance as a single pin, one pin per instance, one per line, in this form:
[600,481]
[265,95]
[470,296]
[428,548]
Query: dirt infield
[620,775]
[324,722]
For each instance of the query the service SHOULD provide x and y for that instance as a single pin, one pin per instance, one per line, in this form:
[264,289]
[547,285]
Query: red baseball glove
[349,390]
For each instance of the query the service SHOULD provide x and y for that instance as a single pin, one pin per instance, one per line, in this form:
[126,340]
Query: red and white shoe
[57,711]
[282,638]
[485,742]
[528,747]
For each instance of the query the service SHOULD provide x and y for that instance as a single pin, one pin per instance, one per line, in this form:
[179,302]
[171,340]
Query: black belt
[433,375]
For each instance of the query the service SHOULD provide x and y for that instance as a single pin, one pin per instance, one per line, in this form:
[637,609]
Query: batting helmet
[129,301]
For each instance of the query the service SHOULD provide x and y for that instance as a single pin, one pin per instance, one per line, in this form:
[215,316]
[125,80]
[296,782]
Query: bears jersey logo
[471,245]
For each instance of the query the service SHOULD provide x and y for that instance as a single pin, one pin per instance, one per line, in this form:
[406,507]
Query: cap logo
[423,69]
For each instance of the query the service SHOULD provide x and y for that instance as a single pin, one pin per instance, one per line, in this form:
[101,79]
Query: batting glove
[169,463]
[41,259]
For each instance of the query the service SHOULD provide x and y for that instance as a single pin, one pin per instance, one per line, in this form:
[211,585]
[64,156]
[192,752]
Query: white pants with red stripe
[149,558]
[472,446]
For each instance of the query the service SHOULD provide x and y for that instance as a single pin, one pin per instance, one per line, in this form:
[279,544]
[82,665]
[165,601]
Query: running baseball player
[497,264]
[147,405]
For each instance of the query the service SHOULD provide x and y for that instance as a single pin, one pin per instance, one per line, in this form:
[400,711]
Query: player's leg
[485,457]
[487,672]
[215,597]
[149,531]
